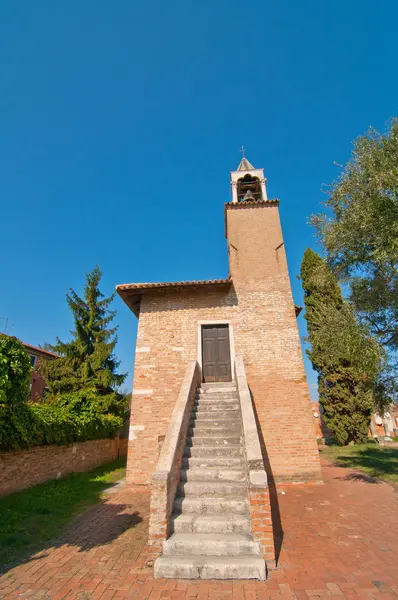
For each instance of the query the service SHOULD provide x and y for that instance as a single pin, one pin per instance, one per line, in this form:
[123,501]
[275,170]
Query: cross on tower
[243,150]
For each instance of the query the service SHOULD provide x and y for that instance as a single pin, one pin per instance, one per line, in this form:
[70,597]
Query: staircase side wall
[166,477]
[259,492]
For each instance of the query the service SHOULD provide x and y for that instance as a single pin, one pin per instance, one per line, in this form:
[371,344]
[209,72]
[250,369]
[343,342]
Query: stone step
[222,413]
[238,489]
[205,401]
[179,567]
[210,429]
[232,412]
[216,385]
[234,451]
[221,408]
[216,399]
[212,474]
[217,419]
[219,390]
[214,440]
[202,462]
[190,523]
[216,405]
[211,505]
[214,544]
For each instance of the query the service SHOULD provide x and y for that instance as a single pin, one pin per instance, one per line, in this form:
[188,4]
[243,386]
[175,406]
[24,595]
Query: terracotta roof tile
[242,203]
[41,350]
[164,284]
[33,348]
[131,292]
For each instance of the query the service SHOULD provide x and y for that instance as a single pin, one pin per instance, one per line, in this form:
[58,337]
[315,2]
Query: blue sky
[120,122]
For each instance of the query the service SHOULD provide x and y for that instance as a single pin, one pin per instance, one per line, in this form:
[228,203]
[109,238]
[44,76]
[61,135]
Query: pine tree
[87,362]
[345,356]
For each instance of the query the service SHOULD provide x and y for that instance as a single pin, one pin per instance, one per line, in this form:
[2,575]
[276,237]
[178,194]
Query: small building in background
[322,430]
[385,425]
[381,426]
[37,383]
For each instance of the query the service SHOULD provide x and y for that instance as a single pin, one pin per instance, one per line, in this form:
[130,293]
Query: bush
[73,418]
[61,426]
[43,424]
[14,371]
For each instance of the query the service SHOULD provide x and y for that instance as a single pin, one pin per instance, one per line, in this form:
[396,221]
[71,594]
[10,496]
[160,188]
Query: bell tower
[248,183]
[266,333]
[255,240]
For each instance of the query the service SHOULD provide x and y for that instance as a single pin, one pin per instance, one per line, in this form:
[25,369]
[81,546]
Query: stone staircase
[211,523]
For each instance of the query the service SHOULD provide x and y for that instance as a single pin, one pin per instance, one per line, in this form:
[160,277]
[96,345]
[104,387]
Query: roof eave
[298,310]
[132,293]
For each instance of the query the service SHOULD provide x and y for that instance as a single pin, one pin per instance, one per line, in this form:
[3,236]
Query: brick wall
[270,342]
[167,339]
[20,470]
[260,310]
[37,385]
[262,526]
[321,429]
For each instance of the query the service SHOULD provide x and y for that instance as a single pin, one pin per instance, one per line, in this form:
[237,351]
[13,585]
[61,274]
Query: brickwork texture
[20,470]
[262,526]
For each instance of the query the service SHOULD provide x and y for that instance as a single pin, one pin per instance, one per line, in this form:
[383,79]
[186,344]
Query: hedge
[44,424]
[74,417]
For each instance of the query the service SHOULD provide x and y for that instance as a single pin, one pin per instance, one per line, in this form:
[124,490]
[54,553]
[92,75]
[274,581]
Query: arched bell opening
[249,188]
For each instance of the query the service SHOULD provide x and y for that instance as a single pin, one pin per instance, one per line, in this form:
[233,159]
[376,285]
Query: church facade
[250,313]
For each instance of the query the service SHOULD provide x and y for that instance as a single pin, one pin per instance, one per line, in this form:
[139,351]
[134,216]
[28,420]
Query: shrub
[14,371]
[73,418]
[59,425]
[43,424]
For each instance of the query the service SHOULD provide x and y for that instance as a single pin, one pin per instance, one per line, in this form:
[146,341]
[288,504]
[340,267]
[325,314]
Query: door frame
[231,343]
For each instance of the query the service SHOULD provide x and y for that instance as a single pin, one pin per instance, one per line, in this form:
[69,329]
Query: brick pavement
[340,541]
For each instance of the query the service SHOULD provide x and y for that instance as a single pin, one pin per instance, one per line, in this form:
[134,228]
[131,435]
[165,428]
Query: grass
[376,461]
[38,514]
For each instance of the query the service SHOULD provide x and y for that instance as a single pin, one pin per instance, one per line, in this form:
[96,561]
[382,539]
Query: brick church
[238,342]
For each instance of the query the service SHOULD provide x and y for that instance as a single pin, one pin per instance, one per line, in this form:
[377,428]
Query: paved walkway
[340,540]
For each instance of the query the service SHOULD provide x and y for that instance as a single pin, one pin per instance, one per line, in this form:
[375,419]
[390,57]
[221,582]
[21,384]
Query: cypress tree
[87,362]
[345,356]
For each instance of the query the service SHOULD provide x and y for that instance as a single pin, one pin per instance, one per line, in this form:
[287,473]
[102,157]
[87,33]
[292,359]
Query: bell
[248,196]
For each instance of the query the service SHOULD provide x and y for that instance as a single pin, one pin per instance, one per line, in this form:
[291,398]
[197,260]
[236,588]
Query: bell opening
[249,189]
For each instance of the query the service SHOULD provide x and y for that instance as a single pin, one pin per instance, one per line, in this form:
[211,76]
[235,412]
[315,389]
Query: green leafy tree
[87,361]
[16,426]
[14,371]
[360,231]
[345,356]
[23,424]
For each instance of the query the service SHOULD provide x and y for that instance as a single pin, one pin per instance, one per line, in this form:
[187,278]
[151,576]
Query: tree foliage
[87,361]
[345,356]
[38,424]
[14,371]
[360,235]
[25,424]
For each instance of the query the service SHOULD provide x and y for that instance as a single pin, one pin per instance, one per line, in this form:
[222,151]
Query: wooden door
[216,355]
